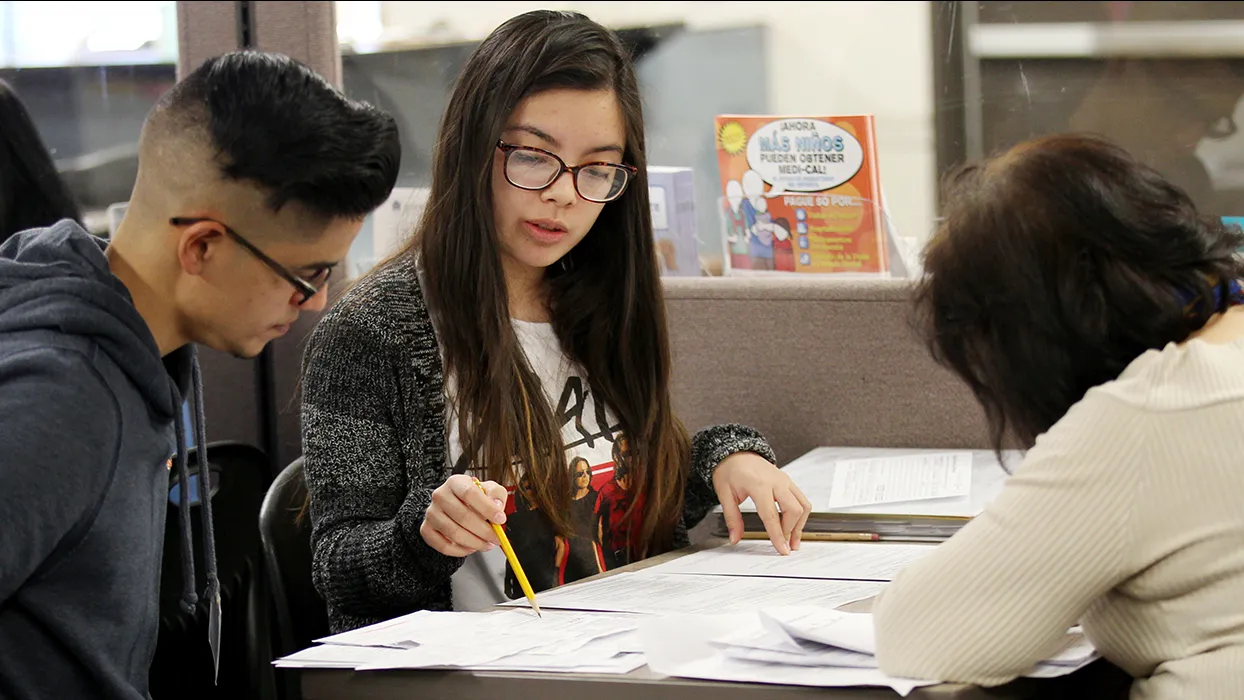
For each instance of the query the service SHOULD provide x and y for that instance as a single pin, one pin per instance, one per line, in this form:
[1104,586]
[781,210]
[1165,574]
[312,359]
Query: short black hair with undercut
[275,122]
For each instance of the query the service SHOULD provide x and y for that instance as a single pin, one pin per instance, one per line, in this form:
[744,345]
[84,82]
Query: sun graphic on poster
[732,137]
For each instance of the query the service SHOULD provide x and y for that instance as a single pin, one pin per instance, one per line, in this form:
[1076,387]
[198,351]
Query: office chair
[301,614]
[182,667]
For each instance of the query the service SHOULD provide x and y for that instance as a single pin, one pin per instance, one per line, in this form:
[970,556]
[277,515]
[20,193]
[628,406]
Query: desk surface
[1098,680]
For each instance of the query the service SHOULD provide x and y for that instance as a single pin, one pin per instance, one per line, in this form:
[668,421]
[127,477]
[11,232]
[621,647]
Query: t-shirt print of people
[613,525]
[600,534]
[589,431]
[580,555]
[591,438]
[535,545]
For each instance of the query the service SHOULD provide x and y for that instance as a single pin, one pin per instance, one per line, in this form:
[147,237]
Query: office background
[947,81]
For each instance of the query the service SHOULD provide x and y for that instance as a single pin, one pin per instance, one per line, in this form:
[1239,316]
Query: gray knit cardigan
[374,438]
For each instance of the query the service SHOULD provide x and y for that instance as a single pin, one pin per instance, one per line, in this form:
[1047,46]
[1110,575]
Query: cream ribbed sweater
[1127,517]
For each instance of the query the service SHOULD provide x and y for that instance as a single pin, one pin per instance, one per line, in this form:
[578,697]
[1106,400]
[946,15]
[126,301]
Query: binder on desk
[921,495]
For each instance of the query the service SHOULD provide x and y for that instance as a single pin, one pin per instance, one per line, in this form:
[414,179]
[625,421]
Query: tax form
[862,561]
[500,633]
[512,639]
[913,477]
[607,655]
[661,593]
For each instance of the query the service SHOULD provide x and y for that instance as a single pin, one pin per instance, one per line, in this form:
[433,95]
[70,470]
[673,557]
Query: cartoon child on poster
[760,239]
[783,246]
[736,225]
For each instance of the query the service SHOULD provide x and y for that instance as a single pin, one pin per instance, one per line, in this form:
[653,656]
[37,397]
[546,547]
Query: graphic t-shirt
[594,445]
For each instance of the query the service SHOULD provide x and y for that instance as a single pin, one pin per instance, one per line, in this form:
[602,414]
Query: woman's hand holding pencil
[466,516]
[460,519]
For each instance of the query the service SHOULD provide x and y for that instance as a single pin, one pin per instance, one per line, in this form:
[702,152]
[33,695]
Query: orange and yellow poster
[801,194]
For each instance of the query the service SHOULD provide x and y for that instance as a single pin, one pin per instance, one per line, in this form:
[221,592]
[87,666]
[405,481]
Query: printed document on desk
[875,480]
[608,655]
[781,646]
[658,593]
[512,640]
[683,646]
[813,628]
[509,631]
[816,560]
[814,473]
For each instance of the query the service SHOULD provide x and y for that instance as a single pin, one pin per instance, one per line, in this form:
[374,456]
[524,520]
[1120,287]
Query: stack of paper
[741,613]
[797,645]
[504,640]
[828,632]
[589,627]
[898,494]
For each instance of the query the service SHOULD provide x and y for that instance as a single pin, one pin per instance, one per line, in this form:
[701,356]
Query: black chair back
[301,614]
[182,667]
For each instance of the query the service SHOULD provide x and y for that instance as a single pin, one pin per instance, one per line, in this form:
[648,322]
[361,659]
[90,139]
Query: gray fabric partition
[813,362]
[231,391]
[254,401]
[306,31]
[204,29]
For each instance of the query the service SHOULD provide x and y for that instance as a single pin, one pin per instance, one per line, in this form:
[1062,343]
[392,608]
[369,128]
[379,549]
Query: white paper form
[854,632]
[918,477]
[390,633]
[819,560]
[438,638]
[814,474]
[844,630]
[681,646]
[597,656]
[618,665]
[601,655]
[337,656]
[759,642]
[722,668]
[825,657]
[657,593]
[609,655]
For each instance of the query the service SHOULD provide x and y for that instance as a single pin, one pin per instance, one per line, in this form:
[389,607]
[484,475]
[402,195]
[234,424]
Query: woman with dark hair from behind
[32,194]
[1096,316]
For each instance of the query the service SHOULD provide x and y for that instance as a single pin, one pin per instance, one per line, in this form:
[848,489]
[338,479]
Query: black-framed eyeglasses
[306,289]
[535,169]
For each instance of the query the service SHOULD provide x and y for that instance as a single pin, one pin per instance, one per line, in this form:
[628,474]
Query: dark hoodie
[89,419]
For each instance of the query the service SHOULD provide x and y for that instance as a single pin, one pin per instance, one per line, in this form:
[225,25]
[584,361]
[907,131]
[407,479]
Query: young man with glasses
[254,176]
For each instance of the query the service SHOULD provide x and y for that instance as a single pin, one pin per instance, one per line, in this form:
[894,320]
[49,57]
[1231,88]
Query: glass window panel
[947,81]
[88,73]
[1162,79]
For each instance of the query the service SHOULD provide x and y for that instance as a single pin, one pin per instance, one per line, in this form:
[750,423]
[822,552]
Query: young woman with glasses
[522,328]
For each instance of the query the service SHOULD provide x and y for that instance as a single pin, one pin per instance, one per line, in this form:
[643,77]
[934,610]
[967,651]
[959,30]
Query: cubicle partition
[811,362]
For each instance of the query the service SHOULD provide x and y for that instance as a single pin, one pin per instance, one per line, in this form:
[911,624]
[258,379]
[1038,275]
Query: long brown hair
[1056,265]
[606,302]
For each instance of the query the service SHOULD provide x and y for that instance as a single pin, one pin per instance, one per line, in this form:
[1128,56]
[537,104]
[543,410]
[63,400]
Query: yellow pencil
[513,559]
